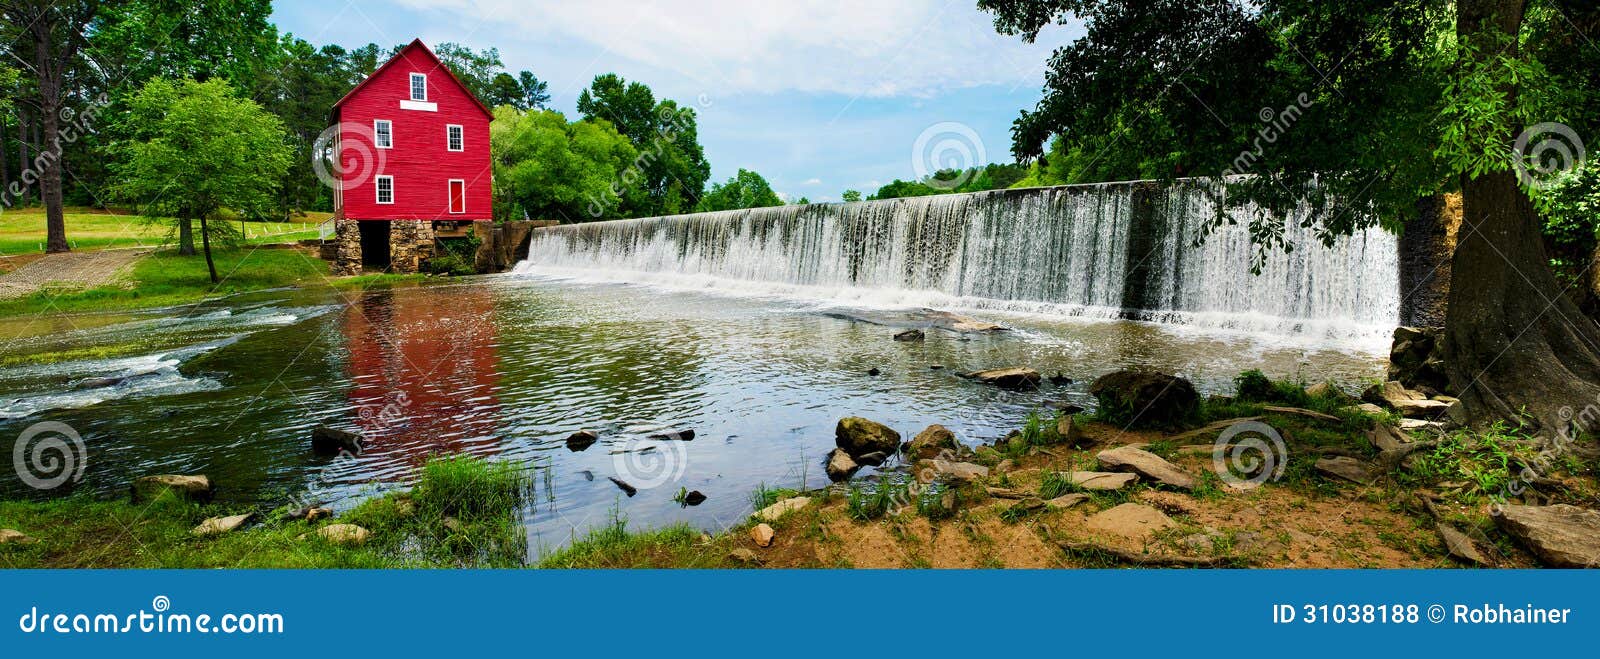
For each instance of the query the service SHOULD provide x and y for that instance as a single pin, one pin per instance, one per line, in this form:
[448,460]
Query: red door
[458,196]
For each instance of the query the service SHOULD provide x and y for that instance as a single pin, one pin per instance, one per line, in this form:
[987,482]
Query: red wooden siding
[420,160]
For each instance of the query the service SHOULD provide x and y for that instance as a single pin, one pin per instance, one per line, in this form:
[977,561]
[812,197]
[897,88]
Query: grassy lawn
[22,231]
[166,279]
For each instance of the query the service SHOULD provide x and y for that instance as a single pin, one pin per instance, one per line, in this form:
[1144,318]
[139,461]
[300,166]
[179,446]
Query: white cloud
[812,181]
[888,48]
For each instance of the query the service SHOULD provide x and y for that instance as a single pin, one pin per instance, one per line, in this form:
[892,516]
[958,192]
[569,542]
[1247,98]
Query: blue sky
[819,96]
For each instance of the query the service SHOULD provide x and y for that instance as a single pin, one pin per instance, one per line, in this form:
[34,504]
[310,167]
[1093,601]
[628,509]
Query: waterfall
[1117,250]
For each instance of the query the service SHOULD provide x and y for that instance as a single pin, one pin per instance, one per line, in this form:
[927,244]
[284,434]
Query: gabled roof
[415,43]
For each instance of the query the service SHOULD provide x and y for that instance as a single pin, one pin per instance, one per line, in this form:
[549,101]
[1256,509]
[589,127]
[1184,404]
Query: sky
[819,96]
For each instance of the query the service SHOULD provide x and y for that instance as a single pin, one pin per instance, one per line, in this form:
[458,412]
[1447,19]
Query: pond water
[508,366]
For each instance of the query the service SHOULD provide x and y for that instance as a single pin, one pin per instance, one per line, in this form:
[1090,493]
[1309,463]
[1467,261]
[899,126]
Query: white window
[383,133]
[419,86]
[453,135]
[385,186]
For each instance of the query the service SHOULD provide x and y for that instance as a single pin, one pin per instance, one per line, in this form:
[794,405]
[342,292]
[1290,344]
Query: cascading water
[1108,251]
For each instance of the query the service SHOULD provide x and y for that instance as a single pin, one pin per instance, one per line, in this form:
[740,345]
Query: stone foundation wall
[347,248]
[410,244]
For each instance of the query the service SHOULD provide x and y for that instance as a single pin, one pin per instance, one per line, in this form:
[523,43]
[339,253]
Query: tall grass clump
[469,487]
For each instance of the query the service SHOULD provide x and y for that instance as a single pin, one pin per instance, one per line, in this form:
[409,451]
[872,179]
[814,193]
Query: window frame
[377,135]
[462,131]
[449,196]
[377,189]
[413,89]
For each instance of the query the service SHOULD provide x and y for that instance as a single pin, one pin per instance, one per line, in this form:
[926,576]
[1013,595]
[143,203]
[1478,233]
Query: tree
[477,70]
[50,33]
[1369,104]
[746,189]
[850,195]
[547,168]
[535,92]
[665,134]
[199,149]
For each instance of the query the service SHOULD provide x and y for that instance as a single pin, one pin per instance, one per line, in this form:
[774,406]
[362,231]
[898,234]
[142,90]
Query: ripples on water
[507,367]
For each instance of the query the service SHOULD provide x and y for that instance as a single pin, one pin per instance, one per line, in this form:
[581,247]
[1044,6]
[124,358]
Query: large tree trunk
[5,163]
[205,240]
[1516,348]
[49,78]
[185,235]
[22,157]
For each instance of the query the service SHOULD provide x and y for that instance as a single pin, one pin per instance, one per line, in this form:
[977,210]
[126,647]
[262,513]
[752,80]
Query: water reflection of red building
[424,374]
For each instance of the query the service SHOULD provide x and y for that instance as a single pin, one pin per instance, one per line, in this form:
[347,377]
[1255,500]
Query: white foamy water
[1078,251]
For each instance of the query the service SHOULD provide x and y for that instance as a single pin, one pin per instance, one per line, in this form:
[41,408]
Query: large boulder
[1145,399]
[331,441]
[193,488]
[1409,402]
[1415,360]
[220,525]
[928,471]
[1016,377]
[1148,465]
[1560,535]
[858,436]
[932,442]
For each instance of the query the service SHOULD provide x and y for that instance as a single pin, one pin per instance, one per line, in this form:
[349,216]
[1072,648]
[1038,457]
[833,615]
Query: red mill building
[417,144]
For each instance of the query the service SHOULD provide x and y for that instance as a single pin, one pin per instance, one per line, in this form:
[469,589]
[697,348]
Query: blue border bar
[760,614]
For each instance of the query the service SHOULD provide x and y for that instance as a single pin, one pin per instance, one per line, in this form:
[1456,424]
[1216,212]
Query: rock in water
[220,525]
[1130,520]
[1143,399]
[581,440]
[1060,380]
[910,335]
[840,467]
[763,535]
[858,436]
[1348,468]
[872,459]
[1147,465]
[684,434]
[1016,377]
[194,488]
[330,441]
[694,498]
[1328,390]
[932,442]
[1561,535]
[624,486]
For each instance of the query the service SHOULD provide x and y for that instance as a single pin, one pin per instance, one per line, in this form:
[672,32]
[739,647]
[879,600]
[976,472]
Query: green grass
[764,496]
[614,546]
[22,231]
[407,530]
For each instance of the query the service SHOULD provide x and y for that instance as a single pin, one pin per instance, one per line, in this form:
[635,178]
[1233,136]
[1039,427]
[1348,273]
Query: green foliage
[764,496]
[746,189]
[1255,386]
[471,488]
[869,502]
[456,256]
[548,168]
[1055,484]
[196,148]
[1478,465]
[672,167]
[850,195]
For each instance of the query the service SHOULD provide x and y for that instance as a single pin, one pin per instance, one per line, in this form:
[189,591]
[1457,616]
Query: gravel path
[70,270]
